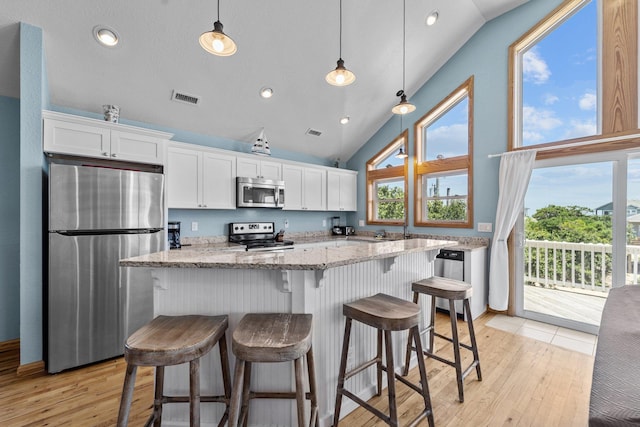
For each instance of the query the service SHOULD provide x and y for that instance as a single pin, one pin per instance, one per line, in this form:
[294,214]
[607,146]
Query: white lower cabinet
[81,136]
[342,190]
[200,179]
[305,188]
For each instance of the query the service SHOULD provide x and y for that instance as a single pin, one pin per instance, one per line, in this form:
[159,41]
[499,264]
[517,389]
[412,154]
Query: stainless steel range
[258,236]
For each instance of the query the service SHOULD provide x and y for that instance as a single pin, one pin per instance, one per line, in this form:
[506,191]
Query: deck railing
[574,265]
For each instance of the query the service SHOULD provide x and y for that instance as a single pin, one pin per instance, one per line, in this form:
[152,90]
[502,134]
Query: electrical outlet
[361,223]
[194,226]
[485,227]
[286,223]
[324,222]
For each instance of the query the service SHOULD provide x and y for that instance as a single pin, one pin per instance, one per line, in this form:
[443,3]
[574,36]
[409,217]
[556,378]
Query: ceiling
[288,45]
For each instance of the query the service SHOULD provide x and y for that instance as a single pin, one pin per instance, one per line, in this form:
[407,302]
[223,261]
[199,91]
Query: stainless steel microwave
[259,193]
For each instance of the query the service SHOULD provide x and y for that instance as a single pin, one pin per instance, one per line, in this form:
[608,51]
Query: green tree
[390,202]
[455,210]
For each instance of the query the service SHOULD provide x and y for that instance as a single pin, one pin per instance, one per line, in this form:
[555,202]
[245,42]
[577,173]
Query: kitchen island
[316,280]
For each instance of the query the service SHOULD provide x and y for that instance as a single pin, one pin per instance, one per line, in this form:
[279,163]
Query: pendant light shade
[401,154]
[216,41]
[340,76]
[404,106]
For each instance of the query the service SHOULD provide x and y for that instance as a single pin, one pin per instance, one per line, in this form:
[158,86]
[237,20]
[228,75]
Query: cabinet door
[184,177]
[314,190]
[249,168]
[137,148]
[75,138]
[348,192]
[218,181]
[333,191]
[292,176]
[271,170]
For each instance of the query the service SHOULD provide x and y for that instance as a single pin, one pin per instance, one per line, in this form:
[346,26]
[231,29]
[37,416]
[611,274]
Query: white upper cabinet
[81,136]
[200,178]
[342,190]
[305,188]
[257,168]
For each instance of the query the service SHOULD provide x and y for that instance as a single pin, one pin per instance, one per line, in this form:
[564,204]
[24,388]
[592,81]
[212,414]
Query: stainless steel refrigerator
[97,216]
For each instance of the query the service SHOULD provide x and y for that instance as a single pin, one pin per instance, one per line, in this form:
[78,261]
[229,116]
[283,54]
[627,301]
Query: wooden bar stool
[171,340]
[452,290]
[385,313]
[268,338]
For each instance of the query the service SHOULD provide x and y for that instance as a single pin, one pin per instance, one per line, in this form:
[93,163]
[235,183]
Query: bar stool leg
[236,393]
[157,401]
[311,371]
[194,392]
[407,358]
[472,335]
[298,368]
[426,395]
[432,325]
[226,380]
[246,391]
[341,374]
[127,395]
[456,348]
[391,380]
[379,364]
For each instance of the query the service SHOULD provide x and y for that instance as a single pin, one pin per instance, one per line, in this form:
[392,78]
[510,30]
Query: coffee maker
[174,234]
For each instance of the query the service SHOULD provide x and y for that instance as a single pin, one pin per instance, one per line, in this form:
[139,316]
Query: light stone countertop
[318,258]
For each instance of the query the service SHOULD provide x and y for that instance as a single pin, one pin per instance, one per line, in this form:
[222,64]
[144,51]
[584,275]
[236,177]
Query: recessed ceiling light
[266,92]
[344,120]
[105,36]
[431,18]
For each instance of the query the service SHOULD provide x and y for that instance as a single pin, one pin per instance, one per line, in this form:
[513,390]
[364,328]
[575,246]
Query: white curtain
[515,172]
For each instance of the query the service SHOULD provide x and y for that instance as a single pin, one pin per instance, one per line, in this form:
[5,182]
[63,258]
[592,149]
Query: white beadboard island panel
[239,291]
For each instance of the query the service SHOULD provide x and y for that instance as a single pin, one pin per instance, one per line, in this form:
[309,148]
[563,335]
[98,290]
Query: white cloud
[449,140]
[534,67]
[529,137]
[550,99]
[588,102]
[534,120]
[581,128]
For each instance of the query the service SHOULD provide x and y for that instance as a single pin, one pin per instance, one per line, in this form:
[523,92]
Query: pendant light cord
[404,36]
[218,10]
[340,56]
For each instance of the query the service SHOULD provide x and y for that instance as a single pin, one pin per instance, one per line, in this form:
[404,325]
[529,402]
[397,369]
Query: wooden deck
[526,383]
[585,307]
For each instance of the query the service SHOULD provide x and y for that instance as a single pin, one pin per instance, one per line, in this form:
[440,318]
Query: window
[574,80]
[387,184]
[443,173]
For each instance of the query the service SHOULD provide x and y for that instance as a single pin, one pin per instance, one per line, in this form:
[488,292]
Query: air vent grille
[313,132]
[185,98]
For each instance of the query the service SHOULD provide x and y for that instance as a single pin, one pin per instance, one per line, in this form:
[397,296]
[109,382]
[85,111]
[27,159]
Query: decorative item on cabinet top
[86,137]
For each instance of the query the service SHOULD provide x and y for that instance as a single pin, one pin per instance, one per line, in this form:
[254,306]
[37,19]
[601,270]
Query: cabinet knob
[114,155]
[105,153]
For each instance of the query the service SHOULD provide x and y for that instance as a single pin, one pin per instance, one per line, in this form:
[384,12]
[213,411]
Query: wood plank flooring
[525,383]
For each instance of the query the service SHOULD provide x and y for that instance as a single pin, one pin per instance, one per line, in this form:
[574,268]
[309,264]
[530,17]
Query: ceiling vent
[185,98]
[313,132]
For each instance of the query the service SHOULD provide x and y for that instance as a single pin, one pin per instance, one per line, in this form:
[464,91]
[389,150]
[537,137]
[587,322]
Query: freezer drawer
[92,302]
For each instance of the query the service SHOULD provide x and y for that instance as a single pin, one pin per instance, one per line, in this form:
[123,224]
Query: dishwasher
[450,264]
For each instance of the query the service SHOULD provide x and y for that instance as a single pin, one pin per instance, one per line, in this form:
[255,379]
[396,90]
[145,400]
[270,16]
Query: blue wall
[9,218]
[485,56]
[32,101]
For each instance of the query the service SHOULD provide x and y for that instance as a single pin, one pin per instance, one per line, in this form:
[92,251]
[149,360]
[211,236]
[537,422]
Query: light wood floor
[525,383]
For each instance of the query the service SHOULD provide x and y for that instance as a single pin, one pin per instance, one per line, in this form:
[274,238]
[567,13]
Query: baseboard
[30,369]
[10,345]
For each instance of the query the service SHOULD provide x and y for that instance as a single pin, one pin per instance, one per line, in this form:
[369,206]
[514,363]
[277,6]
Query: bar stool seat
[385,313]
[270,338]
[172,340]
[451,290]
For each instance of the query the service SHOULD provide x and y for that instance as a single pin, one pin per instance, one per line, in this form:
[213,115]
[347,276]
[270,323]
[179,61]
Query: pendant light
[340,76]
[401,154]
[404,106]
[216,41]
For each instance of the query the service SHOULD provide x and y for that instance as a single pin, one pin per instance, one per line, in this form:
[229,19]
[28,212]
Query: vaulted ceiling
[288,45]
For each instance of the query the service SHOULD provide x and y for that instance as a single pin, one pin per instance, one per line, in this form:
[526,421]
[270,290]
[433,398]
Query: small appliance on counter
[343,231]
[173,229]
[258,236]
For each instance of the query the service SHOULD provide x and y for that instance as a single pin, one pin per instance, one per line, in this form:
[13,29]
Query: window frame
[442,166]
[395,172]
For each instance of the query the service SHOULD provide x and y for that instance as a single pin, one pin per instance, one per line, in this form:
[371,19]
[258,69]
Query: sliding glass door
[576,238]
